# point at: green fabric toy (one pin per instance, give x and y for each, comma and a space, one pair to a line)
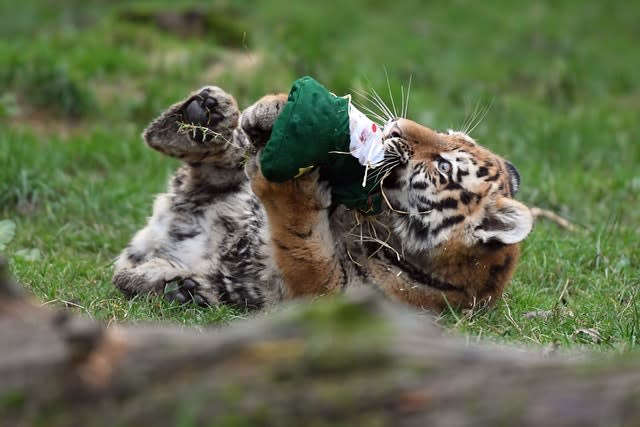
318, 128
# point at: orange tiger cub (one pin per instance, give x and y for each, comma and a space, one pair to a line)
448, 235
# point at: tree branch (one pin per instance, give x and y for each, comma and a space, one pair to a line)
353, 360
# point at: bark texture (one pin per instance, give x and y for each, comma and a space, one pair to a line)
348, 361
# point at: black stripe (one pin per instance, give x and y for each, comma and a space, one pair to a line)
448, 222
399, 206
426, 204
301, 234
482, 171
497, 270
416, 172
448, 203
466, 196
135, 257
178, 180
239, 295
180, 235
452, 185
393, 182
418, 228
460, 174
214, 190
419, 185
419, 276
280, 245
344, 276
492, 244
195, 200
423, 199
227, 223
494, 177
421, 232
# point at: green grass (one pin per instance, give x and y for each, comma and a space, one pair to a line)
79, 81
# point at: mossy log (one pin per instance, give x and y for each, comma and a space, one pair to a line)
348, 361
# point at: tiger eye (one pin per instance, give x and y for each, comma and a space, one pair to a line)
444, 166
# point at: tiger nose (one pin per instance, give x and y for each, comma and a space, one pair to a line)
391, 130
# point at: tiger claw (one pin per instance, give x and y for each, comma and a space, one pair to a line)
184, 291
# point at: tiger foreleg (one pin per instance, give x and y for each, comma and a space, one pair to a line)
303, 245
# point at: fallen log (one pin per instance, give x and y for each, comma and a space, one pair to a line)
352, 360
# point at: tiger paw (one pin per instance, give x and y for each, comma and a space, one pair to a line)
208, 114
302, 194
184, 291
194, 129
257, 120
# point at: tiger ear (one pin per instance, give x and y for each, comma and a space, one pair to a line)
507, 221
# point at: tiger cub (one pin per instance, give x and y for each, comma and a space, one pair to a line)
448, 234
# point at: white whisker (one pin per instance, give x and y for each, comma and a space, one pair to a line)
382, 113
393, 104
382, 171
482, 115
376, 115
382, 104
402, 101
379, 167
476, 117
372, 100
470, 118
405, 111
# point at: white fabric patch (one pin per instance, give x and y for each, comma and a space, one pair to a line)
365, 139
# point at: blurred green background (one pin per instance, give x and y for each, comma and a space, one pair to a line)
79, 80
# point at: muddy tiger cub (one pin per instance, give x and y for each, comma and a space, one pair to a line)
448, 232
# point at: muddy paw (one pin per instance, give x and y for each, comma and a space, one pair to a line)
186, 291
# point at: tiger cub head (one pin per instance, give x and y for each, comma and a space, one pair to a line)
446, 188
451, 206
